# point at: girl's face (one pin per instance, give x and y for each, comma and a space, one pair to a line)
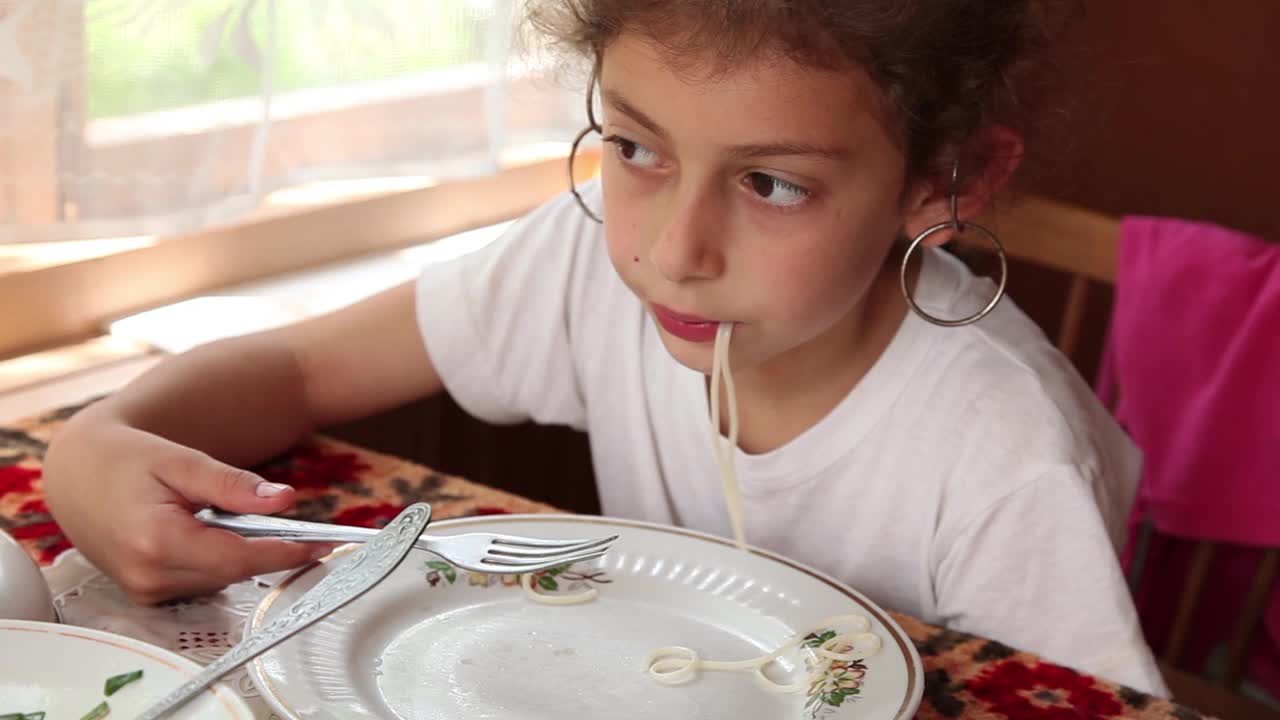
768, 197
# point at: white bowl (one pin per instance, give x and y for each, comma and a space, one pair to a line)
24, 594
61, 670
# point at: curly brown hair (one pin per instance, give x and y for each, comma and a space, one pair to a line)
947, 68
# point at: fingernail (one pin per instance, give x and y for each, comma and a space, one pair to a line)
321, 551
270, 489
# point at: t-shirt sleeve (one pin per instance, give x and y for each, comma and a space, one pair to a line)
1038, 572
497, 322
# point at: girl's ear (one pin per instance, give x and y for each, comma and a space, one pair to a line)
930, 202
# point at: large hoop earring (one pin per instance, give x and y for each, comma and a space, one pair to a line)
954, 224
592, 126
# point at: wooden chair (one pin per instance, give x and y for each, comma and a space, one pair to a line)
1084, 245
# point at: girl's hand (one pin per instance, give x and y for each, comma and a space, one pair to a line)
125, 498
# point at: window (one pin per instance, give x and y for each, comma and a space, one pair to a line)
128, 118
152, 149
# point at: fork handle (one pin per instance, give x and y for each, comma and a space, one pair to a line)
267, 526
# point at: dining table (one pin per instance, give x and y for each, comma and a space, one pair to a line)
966, 676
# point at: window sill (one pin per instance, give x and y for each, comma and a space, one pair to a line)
39, 382
60, 302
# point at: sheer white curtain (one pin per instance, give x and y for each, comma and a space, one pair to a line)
152, 117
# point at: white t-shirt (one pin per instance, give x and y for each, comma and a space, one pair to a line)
970, 479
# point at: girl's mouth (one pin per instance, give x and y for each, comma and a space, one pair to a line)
686, 327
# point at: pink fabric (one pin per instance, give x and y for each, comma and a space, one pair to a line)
1195, 350
1194, 354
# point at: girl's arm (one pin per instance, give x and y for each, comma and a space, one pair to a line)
124, 475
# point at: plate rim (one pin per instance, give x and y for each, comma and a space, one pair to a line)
915, 667
232, 701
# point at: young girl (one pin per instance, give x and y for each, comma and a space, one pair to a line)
767, 164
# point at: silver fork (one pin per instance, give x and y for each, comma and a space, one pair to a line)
477, 552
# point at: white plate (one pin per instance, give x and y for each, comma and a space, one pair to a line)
422, 645
60, 669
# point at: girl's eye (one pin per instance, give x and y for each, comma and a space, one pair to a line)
777, 191
633, 152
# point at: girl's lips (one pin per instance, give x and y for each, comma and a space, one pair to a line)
686, 327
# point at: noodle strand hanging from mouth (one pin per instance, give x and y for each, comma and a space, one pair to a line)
720, 371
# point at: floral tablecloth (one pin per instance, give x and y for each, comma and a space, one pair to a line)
965, 676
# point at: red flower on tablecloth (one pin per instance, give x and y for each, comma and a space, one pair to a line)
490, 510
309, 466
1017, 690
17, 479
375, 515
38, 532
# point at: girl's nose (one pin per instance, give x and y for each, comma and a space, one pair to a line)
688, 246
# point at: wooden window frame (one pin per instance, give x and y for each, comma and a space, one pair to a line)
71, 302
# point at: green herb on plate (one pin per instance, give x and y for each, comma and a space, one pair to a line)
116, 682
